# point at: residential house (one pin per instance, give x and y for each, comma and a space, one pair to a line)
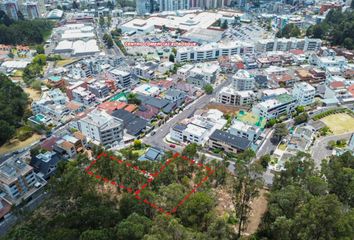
227, 142
152, 154
45, 164
133, 124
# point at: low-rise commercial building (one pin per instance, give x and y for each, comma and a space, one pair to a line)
213, 51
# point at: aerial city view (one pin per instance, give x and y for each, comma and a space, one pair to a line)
176, 119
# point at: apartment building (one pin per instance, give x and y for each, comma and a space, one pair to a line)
145, 70
287, 44
304, 93
275, 107
245, 130
213, 51
203, 74
51, 104
199, 128
99, 89
17, 179
102, 128
122, 78
230, 96
83, 96
243, 80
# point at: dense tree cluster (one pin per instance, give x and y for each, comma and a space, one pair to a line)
13, 102
337, 28
82, 207
34, 69
23, 32
309, 204
290, 30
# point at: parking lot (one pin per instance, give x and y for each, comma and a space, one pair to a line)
247, 32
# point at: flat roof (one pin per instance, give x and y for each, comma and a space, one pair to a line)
230, 139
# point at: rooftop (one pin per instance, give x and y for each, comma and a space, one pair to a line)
232, 140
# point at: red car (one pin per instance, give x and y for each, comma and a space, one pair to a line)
172, 146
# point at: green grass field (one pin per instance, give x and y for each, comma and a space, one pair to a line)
339, 123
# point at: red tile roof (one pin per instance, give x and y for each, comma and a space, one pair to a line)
297, 51
112, 106
48, 144
351, 89
337, 84
130, 108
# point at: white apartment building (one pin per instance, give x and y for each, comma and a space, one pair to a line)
199, 128
203, 73
328, 61
275, 107
228, 95
304, 93
122, 78
245, 130
102, 128
243, 80
286, 44
144, 71
51, 104
183, 71
212, 51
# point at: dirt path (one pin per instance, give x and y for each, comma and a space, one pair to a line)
259, 207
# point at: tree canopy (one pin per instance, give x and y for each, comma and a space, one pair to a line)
308, 204
13, 103
26, 32
337, 28
290, 30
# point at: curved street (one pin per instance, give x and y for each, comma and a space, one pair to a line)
320, 150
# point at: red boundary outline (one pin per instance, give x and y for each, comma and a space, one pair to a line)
151, 177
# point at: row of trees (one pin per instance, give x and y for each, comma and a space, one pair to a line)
13, 103
337, 28
305, 203
28, 32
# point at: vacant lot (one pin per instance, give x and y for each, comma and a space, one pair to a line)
339, 123
14, 145
223, 108
33, 94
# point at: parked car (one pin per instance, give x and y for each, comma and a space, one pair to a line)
172, 146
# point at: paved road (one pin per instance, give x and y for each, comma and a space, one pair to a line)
267, 147
162, 131
320, 150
